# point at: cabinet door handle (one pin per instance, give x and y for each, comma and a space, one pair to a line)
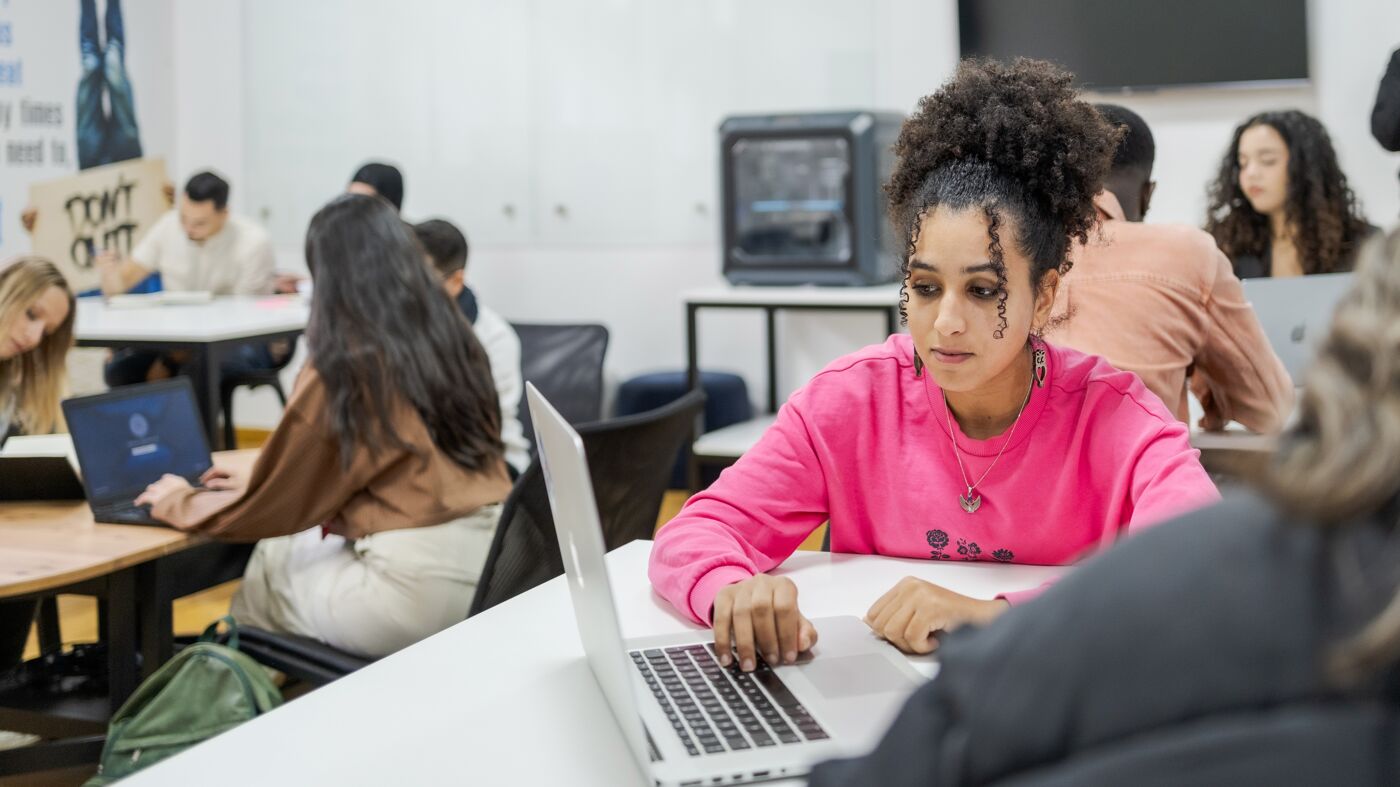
561, 210
509, 210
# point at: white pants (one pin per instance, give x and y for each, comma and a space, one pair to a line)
371, 596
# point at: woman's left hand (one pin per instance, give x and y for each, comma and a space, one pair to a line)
914, 610
160, 492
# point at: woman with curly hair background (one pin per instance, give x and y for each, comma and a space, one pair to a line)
969, 438
1281, 205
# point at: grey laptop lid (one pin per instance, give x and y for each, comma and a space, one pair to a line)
1295, 313
580, 533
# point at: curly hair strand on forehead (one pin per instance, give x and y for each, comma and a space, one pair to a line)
1014, 141
1320, 207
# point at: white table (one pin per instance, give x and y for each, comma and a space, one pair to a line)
507, 697
207, 329
882, 299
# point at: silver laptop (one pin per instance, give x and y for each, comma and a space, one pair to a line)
1296, 313
687, 720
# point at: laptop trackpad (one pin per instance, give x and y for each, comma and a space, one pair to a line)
842, 677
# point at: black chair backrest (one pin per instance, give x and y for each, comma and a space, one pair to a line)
629, 460
566, 363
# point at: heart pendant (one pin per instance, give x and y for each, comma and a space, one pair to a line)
970, 504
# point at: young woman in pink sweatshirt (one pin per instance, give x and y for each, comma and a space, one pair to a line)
969, 438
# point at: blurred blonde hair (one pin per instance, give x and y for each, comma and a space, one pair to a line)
1341, 462
34, 382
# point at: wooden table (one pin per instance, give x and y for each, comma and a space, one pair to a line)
136, 572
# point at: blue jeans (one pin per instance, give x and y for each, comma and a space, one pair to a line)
104, 138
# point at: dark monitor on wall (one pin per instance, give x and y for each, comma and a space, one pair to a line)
802, 199
1144, 44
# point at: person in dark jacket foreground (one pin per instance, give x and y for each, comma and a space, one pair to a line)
1255, 642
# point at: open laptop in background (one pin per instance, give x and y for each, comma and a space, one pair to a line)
687, 720
129, 437
1296, 313
39, 467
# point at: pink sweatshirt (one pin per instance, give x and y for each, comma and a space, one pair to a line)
865, 446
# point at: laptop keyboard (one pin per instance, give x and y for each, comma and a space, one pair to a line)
124, 514
715, 710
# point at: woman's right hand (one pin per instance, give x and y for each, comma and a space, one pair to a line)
220, 479
760, 615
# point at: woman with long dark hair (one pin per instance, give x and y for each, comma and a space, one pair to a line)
1255, 642
1280, 205
390, 444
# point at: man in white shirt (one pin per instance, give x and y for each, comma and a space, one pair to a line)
446, 248
199, 246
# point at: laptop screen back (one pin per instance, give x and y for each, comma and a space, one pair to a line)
129, 437
1295, 313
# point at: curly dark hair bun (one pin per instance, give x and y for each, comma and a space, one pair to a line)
1006, 138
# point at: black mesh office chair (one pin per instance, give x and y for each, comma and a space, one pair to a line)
252, 378
566, 363
630, 462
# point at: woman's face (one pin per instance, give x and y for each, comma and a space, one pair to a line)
954, 302
41, 318
1263, 160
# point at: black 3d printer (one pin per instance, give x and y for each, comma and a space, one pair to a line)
802, 199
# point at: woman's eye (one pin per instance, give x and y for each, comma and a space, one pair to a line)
29, 314
926, 290
984, 293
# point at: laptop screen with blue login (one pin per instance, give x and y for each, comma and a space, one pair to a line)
128, 438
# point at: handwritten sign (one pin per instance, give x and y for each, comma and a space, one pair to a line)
109, 207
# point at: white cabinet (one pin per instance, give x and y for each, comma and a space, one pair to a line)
439, 87
556, 122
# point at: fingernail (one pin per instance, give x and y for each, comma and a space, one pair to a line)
748, 665
724, 660
790, 656
770, 658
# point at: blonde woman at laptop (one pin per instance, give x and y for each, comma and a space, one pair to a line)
378, 493
36, 331
970, 438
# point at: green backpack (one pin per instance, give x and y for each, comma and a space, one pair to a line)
206, 689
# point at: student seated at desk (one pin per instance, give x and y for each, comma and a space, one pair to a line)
1161, 299
446, 248
200, 246
36, 332
1256, 642
970, 438
1280, 205
378, 493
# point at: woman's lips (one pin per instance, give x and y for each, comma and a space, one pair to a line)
950, 356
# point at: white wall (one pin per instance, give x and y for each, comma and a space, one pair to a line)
635, 289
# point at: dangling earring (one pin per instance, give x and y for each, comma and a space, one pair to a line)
1039, 360
918, 365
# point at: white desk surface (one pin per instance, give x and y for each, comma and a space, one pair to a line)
221, 319
507, 696
809, 296
733, 441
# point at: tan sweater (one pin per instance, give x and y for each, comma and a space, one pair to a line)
299, 482
1161, 301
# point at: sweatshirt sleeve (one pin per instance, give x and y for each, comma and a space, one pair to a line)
1166, 480
297, 482
747, 522
1238, 376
